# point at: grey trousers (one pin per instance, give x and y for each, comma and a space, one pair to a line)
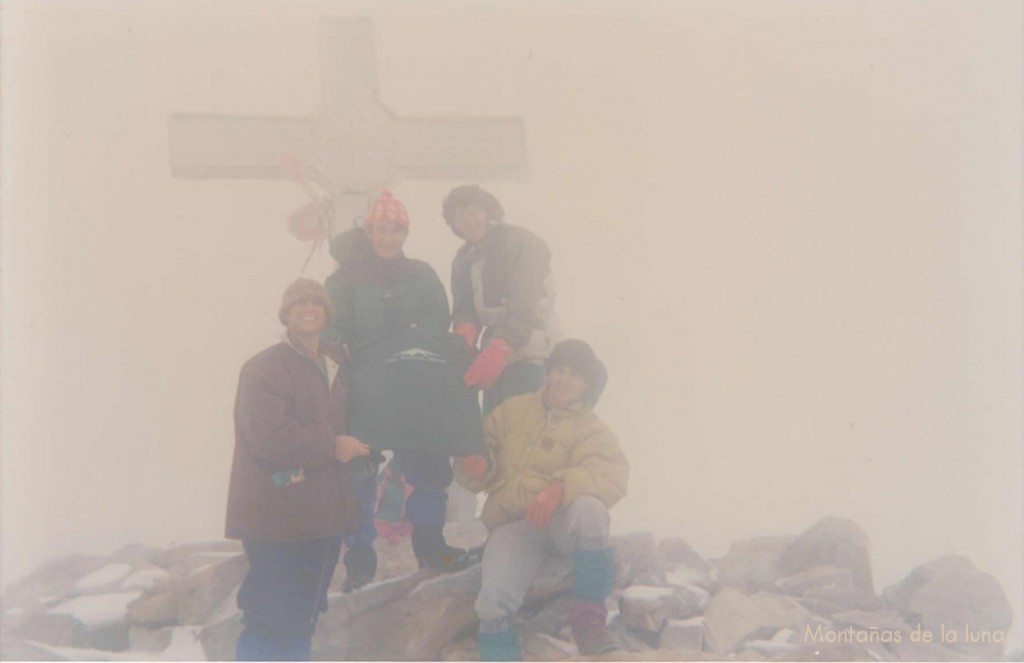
516, 550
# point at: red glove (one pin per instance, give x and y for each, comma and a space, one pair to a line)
475, 466
468, 331
489, 364
544, 504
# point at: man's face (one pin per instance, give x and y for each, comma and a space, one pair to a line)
564, 386
387, 239
470, 223
307, 317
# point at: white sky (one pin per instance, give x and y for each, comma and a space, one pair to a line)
793, 229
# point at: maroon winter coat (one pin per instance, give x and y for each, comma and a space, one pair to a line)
286, 419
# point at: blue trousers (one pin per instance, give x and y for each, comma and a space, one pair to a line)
366, 498
282, 596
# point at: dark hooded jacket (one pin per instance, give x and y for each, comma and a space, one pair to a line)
374, 298
503, 283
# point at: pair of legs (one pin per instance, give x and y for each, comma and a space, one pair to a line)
513, 556
426, 508
282, 597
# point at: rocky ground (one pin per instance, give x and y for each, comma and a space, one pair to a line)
796, 598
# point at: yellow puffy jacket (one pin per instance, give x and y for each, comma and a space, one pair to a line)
529, 446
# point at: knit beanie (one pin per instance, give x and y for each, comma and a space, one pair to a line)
388, 209
302, 290
579, 356
471, 194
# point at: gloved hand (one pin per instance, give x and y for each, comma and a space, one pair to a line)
544, 504
468, 331
489, 364
475, 466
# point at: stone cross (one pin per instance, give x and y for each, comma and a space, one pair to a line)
353, 146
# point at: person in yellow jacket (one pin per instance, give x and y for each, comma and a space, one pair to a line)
551, 473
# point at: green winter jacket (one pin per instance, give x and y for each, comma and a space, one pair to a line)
374, 298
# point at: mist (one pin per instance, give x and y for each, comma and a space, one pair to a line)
792, 230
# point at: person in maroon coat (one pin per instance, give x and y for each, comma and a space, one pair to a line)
290, 499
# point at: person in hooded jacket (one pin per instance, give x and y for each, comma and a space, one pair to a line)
502, 296
551, 473
377, 291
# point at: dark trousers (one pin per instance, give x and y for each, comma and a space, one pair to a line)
283, 595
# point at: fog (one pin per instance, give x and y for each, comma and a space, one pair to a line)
791, 229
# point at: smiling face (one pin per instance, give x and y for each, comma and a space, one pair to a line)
470, 223
306, 318
387, 239
564, 386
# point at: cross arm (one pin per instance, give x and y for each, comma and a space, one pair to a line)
232, 146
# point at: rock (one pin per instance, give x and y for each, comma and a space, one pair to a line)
50, 629
907, 650
828, 600
821, 576
780, 646
646, 608
414, 624
632, 640
751, 565
14, 649
690, 578
636, 559
683, 634
144, 639
950, 594
835, 542
676, 552
191, 599
155, 610
185, 559
544, 647
463, 649
51, 582
549, 616
733, 617
880, 620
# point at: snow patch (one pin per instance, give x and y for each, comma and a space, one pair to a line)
684, 577
108, 574
97, 609
566, 648
144, 579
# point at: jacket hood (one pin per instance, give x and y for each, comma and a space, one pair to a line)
350, 246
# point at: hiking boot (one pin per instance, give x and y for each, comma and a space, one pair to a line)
587, 619
594, 640
360, 567
432, 552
